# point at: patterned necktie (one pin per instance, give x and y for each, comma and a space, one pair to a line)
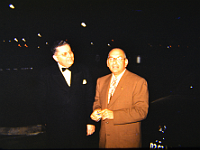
113, 86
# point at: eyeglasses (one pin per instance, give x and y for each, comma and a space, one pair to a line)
111, 59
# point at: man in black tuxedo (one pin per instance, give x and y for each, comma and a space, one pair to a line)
66, 97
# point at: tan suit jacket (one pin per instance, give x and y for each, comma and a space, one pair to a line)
129, 104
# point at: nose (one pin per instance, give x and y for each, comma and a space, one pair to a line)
115, 61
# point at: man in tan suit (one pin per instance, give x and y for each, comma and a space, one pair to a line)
121, 105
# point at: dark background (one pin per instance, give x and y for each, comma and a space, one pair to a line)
164, 33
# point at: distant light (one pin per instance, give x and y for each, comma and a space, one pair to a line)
23, 39
112, 40
167, 46
138, 59
38, 47
178, 18
4, 41
39, 35
25, 45
108, 44
47, 43
15, 39
9, 41
19, 45
191, 87
92, 43
83, 24
12, 6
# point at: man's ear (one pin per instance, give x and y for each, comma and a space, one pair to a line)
55, 58
107, 62
126, 62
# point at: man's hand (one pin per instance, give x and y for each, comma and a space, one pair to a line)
90, 129
107, 114
96, 116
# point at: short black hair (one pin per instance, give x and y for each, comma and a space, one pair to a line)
57, 44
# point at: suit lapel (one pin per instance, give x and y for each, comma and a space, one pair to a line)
59, 78
119, 89
105, 90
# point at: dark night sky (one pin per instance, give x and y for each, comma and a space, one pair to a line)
139, 27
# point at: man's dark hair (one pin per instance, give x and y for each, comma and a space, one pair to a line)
57, 44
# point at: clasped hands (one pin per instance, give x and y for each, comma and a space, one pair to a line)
101, 114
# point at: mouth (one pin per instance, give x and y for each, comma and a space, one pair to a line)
115, 67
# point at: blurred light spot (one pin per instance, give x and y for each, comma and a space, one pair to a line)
39, 35
191, 87
112, 40
178, 18
15, 39
19, 45
97, 58
167, 46
15, 69
12, 6
23, 39
38, 47
9, 41
83, 24
108, 44
47, 43
4, 41
138, 10
25, 45
138, 59
92, 43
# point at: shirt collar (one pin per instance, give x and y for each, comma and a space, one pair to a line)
60, 67
119, 76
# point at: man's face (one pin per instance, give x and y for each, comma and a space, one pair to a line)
64, 55
117, 61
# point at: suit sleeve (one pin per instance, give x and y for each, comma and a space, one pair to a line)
41, 93
97, 104
140, 104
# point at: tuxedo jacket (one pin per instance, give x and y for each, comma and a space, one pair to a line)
66, 110
129, 105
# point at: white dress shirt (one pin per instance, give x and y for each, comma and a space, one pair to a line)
66, 74
117, 81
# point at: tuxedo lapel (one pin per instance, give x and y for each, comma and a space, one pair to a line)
119, 89
58, 78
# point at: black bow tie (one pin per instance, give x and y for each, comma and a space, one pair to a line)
63, 69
